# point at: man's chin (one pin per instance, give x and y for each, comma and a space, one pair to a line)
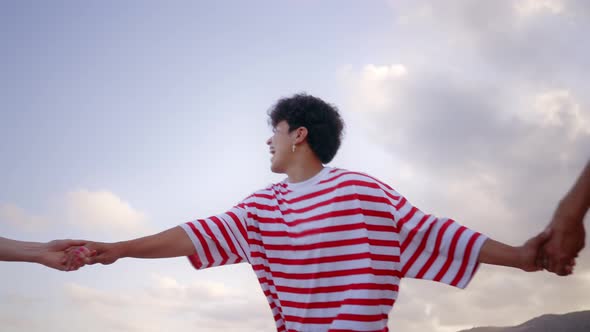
276, 169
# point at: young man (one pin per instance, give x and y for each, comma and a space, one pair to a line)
329, 246
50, 254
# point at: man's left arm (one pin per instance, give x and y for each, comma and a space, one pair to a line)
523, 257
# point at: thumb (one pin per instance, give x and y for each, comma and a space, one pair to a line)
539, 239
548, 231
543, 236
89, 259
94, 258
74, 243
103, 258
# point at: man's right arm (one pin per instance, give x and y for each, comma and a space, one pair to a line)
173, 242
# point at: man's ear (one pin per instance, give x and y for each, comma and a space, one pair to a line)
300, 135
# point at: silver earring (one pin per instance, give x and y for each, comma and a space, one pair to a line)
293, 148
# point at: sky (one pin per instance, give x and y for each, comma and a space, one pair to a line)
122, 119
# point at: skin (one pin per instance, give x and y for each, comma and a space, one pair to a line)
300, 165
50, 254
567, 227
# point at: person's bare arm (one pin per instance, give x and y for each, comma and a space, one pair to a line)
173, 242
523, 257
19, 251
567, 227
49, 254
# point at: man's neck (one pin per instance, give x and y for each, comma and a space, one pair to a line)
300, 173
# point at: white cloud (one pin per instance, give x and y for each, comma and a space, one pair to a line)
559, 108
373, 85
96, 213
20, 218
168, 304
381, 73
102, 211
532, 7
489, 123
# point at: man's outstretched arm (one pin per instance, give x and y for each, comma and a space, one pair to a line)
523, 257
173, 242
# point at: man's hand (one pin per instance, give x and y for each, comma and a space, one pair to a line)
93, 253
523, 257
567, 240
529, 252
51, 254
173, 242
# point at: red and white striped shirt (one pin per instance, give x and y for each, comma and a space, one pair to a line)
329, 252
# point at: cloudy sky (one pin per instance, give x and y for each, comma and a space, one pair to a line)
120, 120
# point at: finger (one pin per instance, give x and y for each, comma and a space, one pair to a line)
562, 267
561, 271
71, 258
539, 262
80, 257
64, 244
568, 267
68, 260
540, 259
72, 243
96, 259
543, 236
77, 263
548, 231
77, 266
82, 251
70, 249
551, 265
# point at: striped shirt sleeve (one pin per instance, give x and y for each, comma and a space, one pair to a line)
437, 249
431, 248
219, 240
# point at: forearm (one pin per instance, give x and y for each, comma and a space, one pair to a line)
497, 253
19, 251
170, 243
577, 201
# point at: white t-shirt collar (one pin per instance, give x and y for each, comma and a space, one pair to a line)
313, 180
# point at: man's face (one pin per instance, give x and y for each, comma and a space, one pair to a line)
280, 144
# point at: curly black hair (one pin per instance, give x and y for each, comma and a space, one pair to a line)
322, 121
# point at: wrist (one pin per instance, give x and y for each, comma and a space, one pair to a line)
569, 211
523, 260
575, 205
120, 250
33, 252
